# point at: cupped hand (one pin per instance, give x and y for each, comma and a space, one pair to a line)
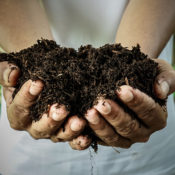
114, 127
18, 109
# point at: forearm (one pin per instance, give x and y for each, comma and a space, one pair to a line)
149, 23
22, 23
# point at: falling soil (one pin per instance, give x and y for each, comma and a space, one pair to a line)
77, 78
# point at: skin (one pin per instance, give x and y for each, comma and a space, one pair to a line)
110, 123
32, 24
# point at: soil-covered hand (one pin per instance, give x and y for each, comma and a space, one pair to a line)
18, 109
115, 127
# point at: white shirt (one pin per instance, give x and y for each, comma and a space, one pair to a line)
75, 23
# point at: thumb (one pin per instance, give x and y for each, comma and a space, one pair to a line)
165, 81
8, 74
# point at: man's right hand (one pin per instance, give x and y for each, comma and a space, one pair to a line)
18, 109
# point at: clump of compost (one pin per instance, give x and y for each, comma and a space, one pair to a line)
77, 78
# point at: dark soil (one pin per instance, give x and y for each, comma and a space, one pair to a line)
77, 78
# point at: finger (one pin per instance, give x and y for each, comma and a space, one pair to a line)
18, 110
48, 123
72, 129
8, 74
165, 81
104, 131
122, 122
27, 94
151, 113
81, 142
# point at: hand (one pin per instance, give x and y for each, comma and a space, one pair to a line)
18, 109
114, 127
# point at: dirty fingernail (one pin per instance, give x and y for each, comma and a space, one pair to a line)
58, 113
85, 141
7, 73
164, 88
125, 94
92, 117
103, 107
35, 88
55, 116
75, 125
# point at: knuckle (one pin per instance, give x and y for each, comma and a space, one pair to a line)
148, 110
20, 110
129, 129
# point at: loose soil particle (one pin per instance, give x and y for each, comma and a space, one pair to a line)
77, 78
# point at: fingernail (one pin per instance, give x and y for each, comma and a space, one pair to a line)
35, 88
7, 73
125, 94
58, 113
92, 117
55, 116
84, 142
75, 125
164, 88
103, 107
